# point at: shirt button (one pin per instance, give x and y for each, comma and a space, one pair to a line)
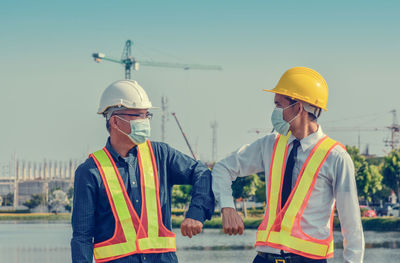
137, 201
133, 183
144, 258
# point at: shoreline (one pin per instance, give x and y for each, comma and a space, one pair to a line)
369, 224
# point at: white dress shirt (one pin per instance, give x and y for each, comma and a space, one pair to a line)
335, 181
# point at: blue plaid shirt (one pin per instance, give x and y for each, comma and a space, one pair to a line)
92, 217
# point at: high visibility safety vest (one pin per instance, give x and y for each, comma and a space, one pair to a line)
132, 234
281, 228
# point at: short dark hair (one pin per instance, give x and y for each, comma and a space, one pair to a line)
108, 125
311, 116
291, 101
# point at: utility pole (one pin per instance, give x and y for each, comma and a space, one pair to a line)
71, 173
367, 150
46, 182
214, 126
15, 181
164, 106
394, 130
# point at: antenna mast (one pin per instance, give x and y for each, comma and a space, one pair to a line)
164, 106
214, 126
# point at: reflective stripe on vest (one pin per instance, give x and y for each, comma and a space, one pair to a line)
281, 228
133, 235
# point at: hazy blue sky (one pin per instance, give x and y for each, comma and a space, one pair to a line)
50, 86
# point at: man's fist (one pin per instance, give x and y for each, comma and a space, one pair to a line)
191, 227
231, 221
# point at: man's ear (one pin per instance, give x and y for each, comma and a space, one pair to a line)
113, 122
301, 107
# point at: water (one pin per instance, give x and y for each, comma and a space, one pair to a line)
33, 242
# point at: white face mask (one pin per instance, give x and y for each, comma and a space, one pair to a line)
140, 130
279, 124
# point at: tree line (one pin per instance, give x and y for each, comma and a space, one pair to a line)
376, 178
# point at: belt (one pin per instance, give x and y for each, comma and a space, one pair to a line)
286, 258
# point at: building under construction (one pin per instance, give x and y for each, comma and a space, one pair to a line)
27, 178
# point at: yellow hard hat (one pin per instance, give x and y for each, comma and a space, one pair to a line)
303, 84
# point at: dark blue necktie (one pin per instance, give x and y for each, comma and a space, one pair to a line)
287, 180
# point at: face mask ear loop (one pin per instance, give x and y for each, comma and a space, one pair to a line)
119, 128
291, 105
297, 115
121, 118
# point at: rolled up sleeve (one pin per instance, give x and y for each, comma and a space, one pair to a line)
242, 162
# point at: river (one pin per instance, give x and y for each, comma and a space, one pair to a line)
45, 243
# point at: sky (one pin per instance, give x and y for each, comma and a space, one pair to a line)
50, 86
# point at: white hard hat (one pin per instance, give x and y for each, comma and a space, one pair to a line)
124, 93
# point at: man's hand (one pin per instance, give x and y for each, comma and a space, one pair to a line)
231, 221
191, 227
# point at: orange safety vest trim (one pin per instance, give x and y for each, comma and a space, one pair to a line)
281, 228
133, 235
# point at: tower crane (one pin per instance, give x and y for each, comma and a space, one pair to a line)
131, 62
393, 142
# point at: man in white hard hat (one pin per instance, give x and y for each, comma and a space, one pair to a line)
122, 193
306, 173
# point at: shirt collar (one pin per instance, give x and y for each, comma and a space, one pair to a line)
310, 140
116, 155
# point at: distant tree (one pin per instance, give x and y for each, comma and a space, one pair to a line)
368, 177
68, 207
391, 171
375, 160
36, 199
382, 195
260, 194
8, 199
57, 200
55, 188
70, 193
244, 187
181, 195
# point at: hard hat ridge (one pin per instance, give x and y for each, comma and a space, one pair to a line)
124, 93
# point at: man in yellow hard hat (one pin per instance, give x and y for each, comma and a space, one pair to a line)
306, 174
122, 193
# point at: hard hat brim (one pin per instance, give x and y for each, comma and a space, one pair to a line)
105, 109
277, 92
